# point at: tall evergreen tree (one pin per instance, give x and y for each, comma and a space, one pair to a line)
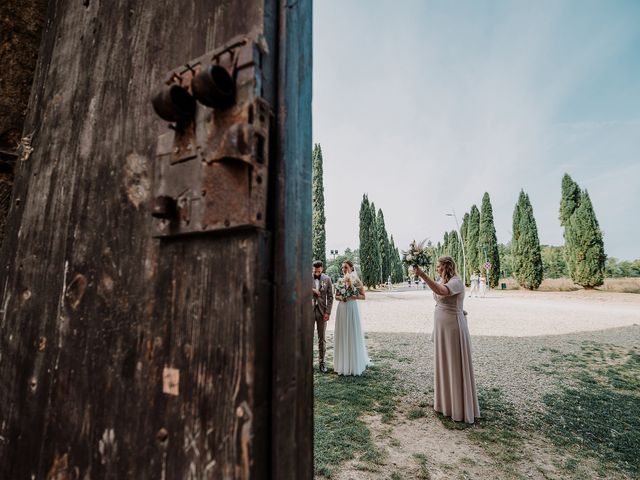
383, 245
585, 242
455, 250
488, 242
525, 245
392, 259
569, 201
463, 240
374, 239
318, 232
433, 253
397, 273
445, 244
515, 229
438, 251
473, 232
367, 252
400, 267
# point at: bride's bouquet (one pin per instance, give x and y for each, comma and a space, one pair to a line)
417, 254
348, 286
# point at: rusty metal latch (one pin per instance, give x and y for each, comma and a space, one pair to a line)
211, 166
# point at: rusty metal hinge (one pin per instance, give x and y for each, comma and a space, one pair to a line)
211, 166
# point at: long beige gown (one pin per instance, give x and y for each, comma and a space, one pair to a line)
454, 383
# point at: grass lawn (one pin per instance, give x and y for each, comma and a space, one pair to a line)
590, 421
340, 403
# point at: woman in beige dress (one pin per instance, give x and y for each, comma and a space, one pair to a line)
454, 392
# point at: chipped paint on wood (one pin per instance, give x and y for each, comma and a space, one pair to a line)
137, 179
171, 381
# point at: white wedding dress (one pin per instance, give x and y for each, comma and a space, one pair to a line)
349, 353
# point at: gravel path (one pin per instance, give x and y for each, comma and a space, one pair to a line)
504, 313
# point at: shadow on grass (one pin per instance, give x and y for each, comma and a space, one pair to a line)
598, 414
498, 431
340, 403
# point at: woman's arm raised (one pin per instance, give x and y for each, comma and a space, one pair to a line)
437, 288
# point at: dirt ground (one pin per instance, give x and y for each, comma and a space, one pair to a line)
509, 331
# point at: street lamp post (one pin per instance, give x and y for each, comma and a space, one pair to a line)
464, 257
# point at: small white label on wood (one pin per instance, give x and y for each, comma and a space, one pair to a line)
170, 381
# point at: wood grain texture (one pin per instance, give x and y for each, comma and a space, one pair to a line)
94, 310
20, 27
293, 335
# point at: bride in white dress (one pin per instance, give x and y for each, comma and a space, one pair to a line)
349, 354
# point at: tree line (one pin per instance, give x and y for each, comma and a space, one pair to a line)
378, 257
582, 257
477, 237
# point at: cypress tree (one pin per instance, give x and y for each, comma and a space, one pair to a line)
569, 201
455, 250
376, 266
438, 252
525, 245
473, 232
397, 274
585, 242
400, 267
515, 228
445, 244
383, 245
318, 232
487, 241
463, 240
392, 259
434, 259
366, 253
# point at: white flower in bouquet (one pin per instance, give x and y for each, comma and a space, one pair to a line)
348, 286
417, 255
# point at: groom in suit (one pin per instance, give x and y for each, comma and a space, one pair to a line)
322, 303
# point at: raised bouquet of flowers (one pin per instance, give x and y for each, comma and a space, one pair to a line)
417, 254
348, 286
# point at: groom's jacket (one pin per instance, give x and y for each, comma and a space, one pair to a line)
325, 301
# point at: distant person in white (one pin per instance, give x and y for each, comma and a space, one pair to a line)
483, 285
474, 284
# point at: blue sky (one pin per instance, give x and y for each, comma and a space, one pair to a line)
425, 105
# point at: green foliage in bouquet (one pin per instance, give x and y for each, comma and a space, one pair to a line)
417, 254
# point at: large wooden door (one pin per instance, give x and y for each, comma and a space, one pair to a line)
125, 355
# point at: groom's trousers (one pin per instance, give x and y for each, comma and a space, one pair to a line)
321, 326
